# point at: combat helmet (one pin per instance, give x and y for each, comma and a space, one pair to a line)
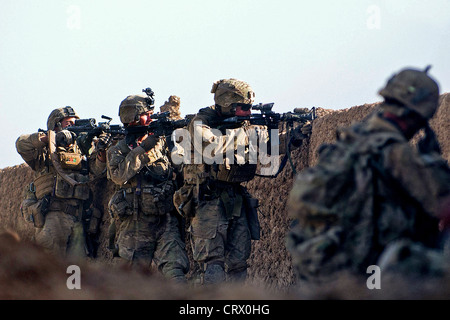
134, 105
415, 90
229, 91
59, 114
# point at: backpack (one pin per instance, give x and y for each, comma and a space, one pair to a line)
334, 205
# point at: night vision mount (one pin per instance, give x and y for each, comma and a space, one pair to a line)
150, 94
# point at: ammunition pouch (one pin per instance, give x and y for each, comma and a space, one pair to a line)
28, 201
65, 190
32, 209
38, 212
152, 200
72, 207
25, 209
70, 160
118, 205
158, 199
44, 184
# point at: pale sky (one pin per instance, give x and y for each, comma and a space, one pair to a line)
91, 54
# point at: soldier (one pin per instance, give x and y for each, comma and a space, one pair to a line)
222, 218
58, 201
142, 207
173, 106
385, 197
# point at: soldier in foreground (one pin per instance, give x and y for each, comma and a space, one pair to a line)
373, 198
142, 207
221, 215
58, 202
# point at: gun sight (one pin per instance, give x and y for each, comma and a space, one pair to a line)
263, 107
161, 115
90, 122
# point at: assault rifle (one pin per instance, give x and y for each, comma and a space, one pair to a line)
270, 118
93, 129
161, 126
87, 129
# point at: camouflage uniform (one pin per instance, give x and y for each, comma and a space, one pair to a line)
221, 213
59, 228
147, 228
396, 224
172, 105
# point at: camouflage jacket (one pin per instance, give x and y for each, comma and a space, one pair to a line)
407, 196
125, 164
209, 154
400, 198
36, 154
145, 181
411, 187
423, 177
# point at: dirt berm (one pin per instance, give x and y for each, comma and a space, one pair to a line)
28, 273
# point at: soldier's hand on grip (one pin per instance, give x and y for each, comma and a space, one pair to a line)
149, 142
104, 141
65, 138
306, 129
301, 132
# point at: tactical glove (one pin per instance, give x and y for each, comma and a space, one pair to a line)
299, 133
302, 131
306, 129
149, 142
103, 142
84, 141
65, 138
